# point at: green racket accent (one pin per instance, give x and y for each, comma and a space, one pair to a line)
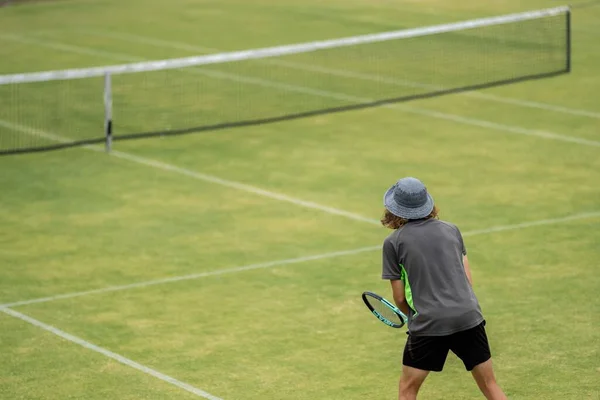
390, 305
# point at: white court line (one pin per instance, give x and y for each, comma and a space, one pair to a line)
504, 128
224, 271
110, 354
344, 97
242, 186
196, 175
345, 73
494, 229
290, 261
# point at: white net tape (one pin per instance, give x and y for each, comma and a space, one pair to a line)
275, 51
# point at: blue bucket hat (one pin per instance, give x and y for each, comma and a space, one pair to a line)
408, 199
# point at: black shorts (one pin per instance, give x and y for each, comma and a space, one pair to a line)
429, 352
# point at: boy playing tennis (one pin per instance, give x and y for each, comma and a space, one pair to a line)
426, 262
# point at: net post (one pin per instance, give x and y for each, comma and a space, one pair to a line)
568, 39
108, 111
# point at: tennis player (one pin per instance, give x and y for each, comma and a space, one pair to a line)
425, 260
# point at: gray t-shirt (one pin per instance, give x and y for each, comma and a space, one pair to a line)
427, 256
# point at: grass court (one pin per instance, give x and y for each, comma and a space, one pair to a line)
233, 261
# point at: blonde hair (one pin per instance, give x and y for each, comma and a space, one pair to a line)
392, 221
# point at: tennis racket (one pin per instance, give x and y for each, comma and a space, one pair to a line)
385, 311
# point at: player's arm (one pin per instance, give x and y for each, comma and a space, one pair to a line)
399, 297
392, 272
467, 269
465, 259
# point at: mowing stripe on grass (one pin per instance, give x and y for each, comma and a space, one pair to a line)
345, 73
110, 354
289, 261
66, 47
340, 96
196, 175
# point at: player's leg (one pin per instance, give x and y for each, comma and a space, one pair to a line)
484, 376
422, 354
473, 348
410, 382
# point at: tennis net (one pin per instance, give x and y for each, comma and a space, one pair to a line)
55, 109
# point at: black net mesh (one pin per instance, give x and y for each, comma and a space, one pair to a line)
217, 96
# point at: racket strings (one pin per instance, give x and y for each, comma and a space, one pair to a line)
385, 311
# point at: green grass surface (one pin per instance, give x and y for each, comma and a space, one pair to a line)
77, 220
